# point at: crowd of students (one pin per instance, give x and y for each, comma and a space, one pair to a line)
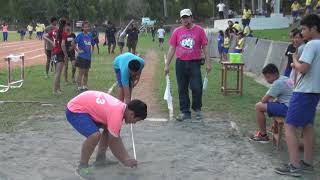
225, 38
294, 96
310, 6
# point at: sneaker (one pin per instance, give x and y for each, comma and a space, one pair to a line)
306, 167
57, 93
85, 173
199, 116
183, 117
258, 137
289, 170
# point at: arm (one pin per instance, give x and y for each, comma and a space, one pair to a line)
127, 94
136, 79
118, 150
170, 55
300, 67
46, 38
64, 49
206, 55
266, 99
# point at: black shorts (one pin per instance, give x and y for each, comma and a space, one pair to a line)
83, 63
121, 44
48, 53
132, 44
71, 55
111, 41
161, 40
56, 58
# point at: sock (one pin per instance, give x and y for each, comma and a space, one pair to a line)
83, 165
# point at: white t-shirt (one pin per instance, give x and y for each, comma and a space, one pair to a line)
221, 6
161, 32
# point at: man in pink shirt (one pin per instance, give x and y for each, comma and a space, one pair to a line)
92, 110
188, 42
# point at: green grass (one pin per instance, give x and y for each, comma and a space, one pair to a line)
37, 88
14, 36
273, 34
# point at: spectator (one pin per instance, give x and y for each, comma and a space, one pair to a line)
295, 7
246, 16
221, 7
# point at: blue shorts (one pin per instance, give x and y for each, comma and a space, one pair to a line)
83, 123
295, 13
220, 50
237, 51
302, 109
275, 109
225, 50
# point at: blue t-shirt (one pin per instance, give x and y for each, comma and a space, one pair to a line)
84, 42
121, 63
281, 89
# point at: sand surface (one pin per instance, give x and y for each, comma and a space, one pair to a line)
48, 148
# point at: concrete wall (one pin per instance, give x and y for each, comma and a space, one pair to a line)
257, 53
257, 23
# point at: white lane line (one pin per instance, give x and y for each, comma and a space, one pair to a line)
156, 119
24, 47
26, 52
15, 45
18, 42
35, 56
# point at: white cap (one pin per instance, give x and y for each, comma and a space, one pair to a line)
185, 12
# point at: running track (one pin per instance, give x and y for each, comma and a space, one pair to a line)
33, 52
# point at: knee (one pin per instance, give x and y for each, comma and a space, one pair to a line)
259, 106
96, 136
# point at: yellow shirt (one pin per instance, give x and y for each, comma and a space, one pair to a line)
237, 27
30, 28
226, 43
308, 2
38, 28
246, 31
240, 44
43, 27
295, 7
246, 14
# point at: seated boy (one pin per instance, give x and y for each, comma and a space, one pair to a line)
274, 103
92, 110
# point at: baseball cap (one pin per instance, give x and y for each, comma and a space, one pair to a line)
185, 12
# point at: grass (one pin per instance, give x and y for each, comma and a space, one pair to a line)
273, 34
37, 88
240, 109
14, 36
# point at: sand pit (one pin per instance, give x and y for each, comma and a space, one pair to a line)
48, 148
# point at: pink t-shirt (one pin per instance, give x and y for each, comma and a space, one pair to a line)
5, 28
188, 42
102, 107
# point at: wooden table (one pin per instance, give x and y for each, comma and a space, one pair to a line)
227, 66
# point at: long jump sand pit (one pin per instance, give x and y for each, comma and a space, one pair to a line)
47, 148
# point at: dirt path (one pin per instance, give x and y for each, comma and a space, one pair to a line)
145, 89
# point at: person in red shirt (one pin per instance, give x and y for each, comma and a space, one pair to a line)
59, 51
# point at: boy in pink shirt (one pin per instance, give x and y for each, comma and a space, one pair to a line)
92, 110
